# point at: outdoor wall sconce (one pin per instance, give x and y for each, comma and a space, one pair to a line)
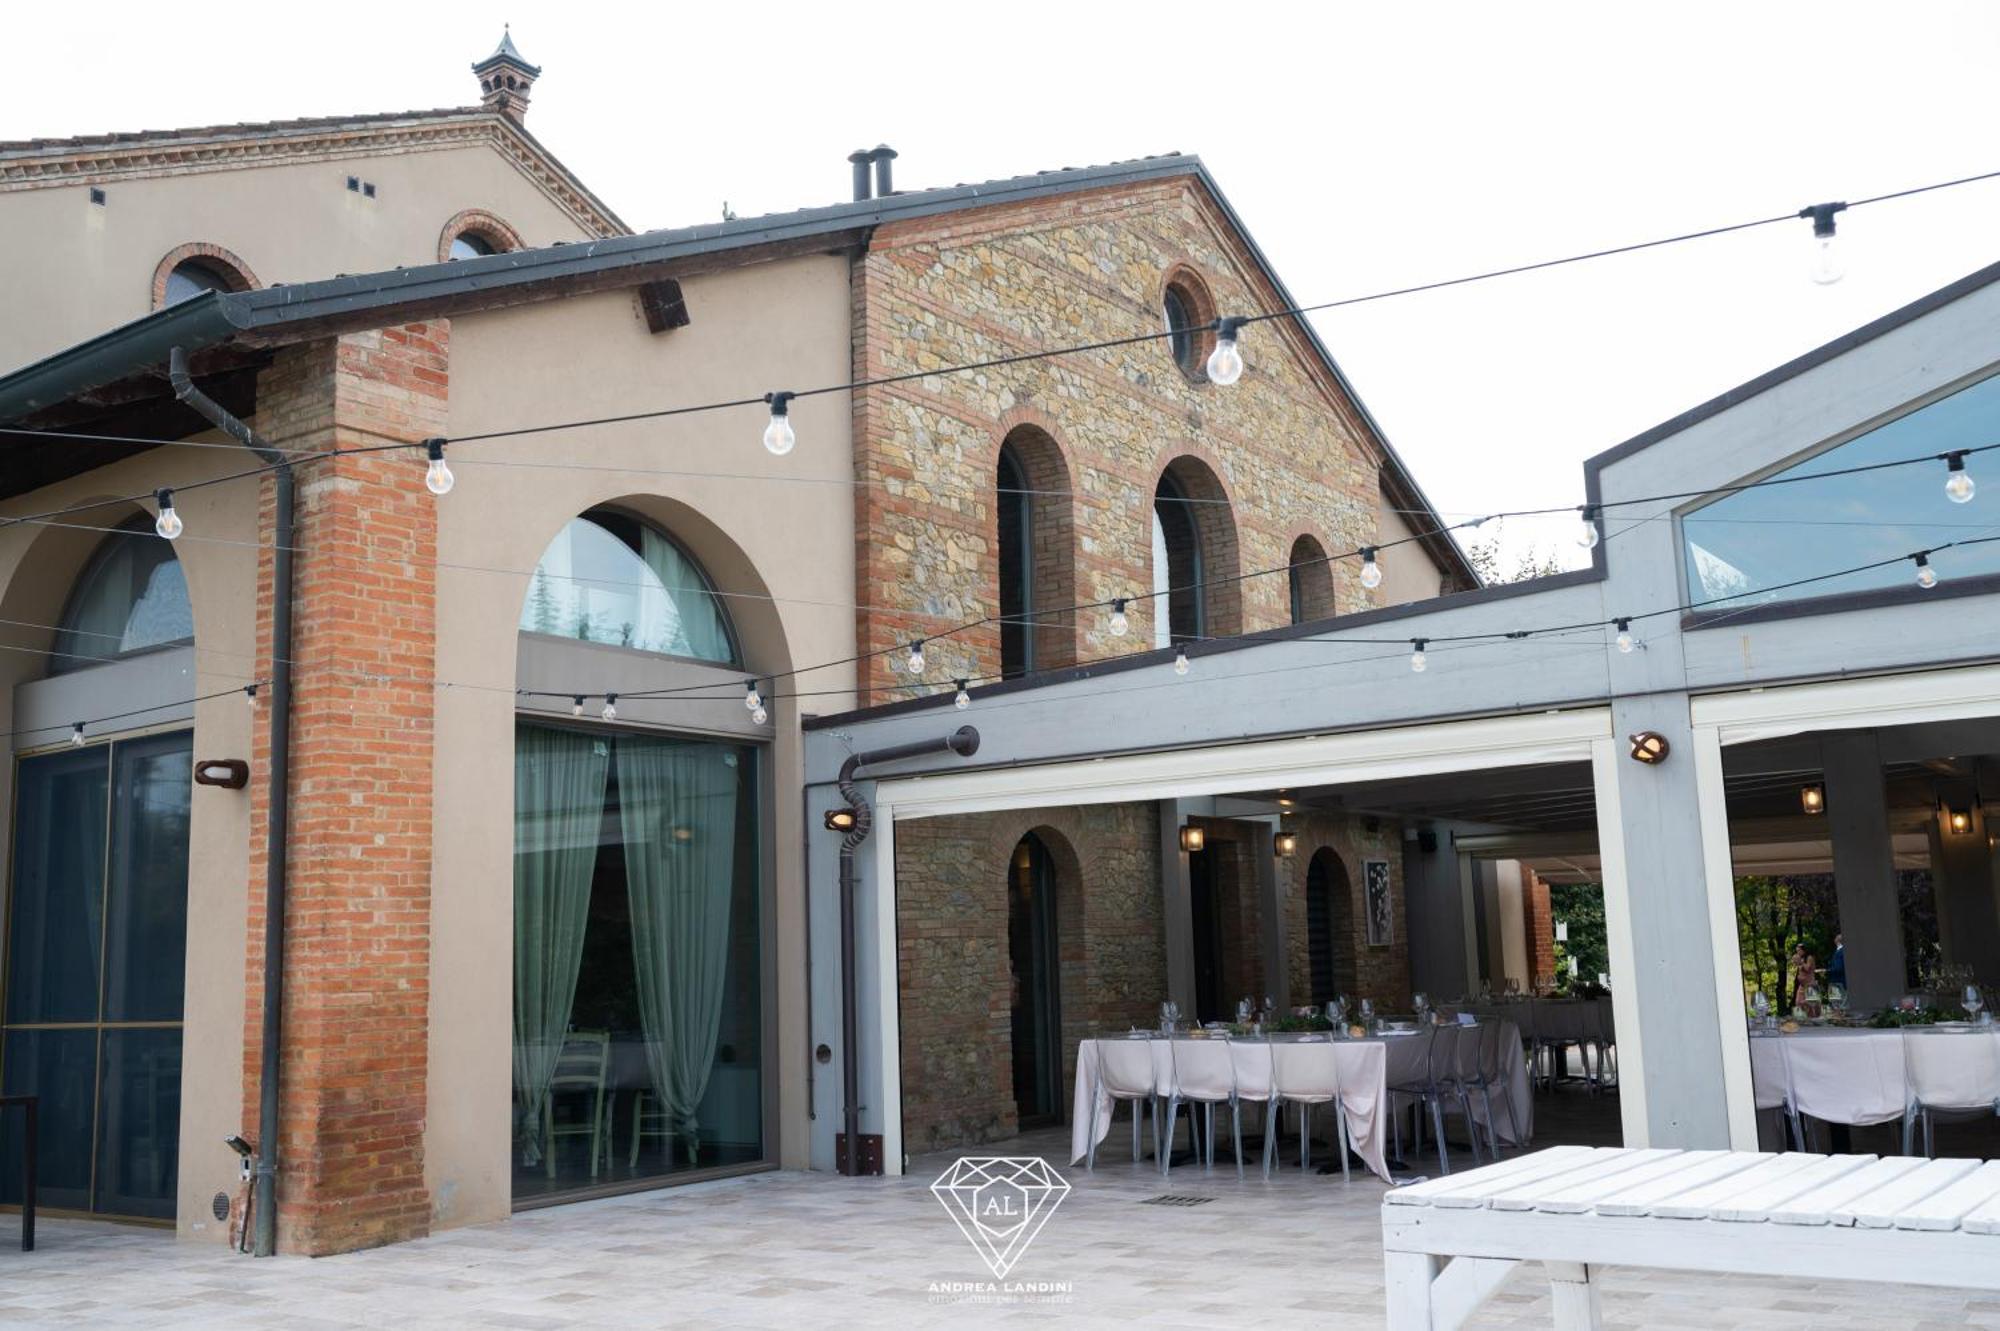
1286, 844
1193, 838
1649, 747
229, 773
1958, 822
839, 820
1812, 799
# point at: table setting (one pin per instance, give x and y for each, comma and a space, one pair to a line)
1370, 1051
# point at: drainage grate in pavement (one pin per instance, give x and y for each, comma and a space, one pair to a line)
1175, 1199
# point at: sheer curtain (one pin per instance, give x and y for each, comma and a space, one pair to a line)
559, 778
691, 622
677, 803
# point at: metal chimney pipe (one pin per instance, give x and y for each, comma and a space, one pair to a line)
860, 157
884, 185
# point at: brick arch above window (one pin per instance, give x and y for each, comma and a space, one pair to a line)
490, 227
1310, 580
1035, 544
1200, 585
223, 263
1183, 286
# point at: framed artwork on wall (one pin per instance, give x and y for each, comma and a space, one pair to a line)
1381, 909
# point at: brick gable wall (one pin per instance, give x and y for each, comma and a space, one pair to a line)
1283, 445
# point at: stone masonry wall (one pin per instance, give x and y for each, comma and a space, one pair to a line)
357, 919
1284, 446
1361, 971
953, 964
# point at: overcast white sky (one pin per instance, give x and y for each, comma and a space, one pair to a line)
1366, 146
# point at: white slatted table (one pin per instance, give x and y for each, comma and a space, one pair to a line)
1448, 1243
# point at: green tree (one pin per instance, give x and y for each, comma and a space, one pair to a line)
1580, 906
1776, 914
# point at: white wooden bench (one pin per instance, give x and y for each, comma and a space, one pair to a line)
1449, 1243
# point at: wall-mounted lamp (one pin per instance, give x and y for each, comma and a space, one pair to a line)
1286, 801
229, 773
1193, 838
1812, 799
839, 820
1286, 844
1649, 747
1958, 822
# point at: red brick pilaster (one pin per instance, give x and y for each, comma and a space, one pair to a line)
357, 946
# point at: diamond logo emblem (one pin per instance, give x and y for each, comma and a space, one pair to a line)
1000, 1203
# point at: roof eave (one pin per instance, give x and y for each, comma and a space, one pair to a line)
195, 324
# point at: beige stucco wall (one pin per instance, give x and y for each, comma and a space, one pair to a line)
84, 268
762, 525
1407, 572
38, 564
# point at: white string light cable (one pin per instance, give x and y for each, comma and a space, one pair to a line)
1958, 486
1225, 362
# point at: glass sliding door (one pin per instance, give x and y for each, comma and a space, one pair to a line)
96, 948
638, 1019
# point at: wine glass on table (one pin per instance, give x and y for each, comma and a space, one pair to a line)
1975, 1002
1423, 1006
1760, 1007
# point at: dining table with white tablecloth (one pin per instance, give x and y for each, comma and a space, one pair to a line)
1365, 1067
1846, 1074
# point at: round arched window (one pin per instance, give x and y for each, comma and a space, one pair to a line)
190, 277
470, 245
613, 579
131, 598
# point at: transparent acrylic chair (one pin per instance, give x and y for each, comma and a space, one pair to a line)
1306, 1073
1204, 1077
1250, 1064
1948, 1072
1125, 1072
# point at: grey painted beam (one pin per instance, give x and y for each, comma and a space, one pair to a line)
1864, 869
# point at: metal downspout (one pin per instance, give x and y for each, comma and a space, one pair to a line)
277, 827
964, 742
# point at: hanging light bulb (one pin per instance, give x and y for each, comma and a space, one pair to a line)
610, 712
759, 715
250, 696
576, 705
437, 476
1958, 485
1826, 268
76, 734
1926, 575
915, 663
1417, 660
1586, 535
1371, 572
168, 524
961, 700
1119, 625
752, 700
778, 435
1624, 635
1225, 363
1180, 659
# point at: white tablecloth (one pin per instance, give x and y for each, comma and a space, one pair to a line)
1843, 1075
1366, 1069
1359, 1064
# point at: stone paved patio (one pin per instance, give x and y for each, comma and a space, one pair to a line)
799, 1251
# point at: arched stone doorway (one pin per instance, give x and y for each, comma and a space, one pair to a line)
1329, 927
1035, 982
